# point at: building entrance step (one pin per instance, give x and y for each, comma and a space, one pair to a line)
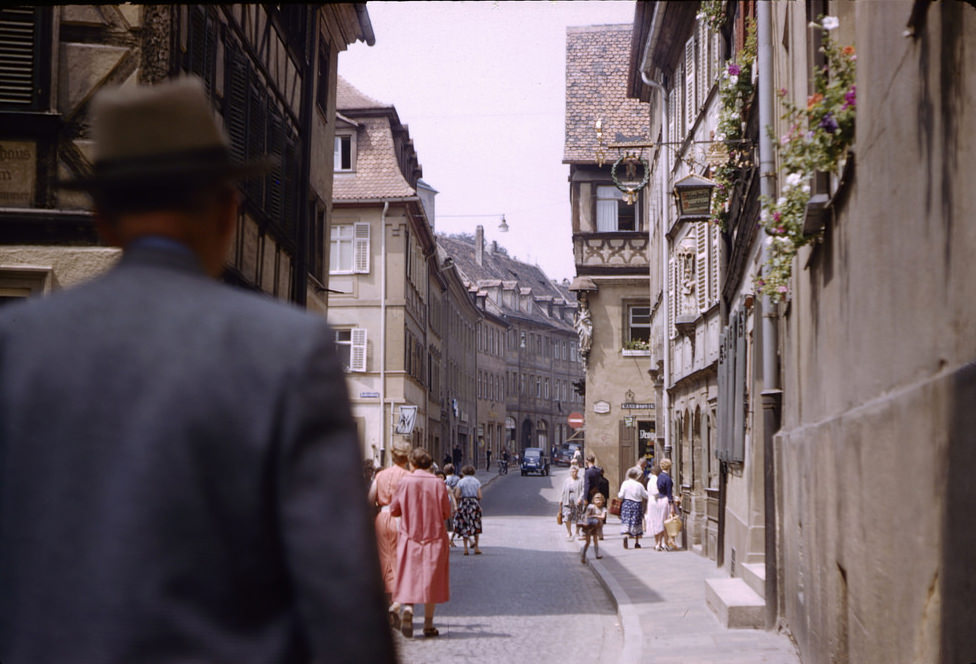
754, 574
735, 604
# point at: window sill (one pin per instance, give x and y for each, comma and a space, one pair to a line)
635, 353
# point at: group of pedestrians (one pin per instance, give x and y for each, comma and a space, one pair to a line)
647, 499
417, 507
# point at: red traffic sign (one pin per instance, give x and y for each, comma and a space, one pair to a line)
575, 420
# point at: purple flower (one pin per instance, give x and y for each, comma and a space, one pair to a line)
828, 123
734, 70
777, 216
850, 99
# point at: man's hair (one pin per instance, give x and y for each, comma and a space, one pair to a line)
591, 458
420, 458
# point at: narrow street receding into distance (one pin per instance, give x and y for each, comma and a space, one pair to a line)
527, 598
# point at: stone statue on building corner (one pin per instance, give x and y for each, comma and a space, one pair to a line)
584, 327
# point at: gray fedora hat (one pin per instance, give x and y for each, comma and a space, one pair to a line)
160, 134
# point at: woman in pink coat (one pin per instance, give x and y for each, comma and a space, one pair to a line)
422, 547
381, 493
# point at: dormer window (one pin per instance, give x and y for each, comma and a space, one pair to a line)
612, 212
343, 153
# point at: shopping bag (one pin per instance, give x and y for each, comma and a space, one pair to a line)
559, 517
673, 525
615, 504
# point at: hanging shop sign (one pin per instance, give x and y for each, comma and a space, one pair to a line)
635, 176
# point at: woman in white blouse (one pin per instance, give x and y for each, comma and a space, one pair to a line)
634, 496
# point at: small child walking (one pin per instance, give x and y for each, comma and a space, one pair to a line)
595, 515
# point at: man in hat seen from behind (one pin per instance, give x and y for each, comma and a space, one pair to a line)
179, 469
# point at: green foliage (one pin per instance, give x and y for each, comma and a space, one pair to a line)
637, 344
712, 12
817, 139
735, 93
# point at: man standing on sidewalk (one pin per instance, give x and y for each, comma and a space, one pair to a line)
180, 474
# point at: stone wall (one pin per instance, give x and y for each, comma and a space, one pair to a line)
875, 457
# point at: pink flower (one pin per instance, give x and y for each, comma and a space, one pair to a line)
781, 230
734, 70
782, 289
781, 92
777, 216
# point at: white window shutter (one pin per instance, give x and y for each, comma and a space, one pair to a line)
701, 265
337, 155
689, 84
672, 300
702, 60
671, 116
361, 247
357, 356
713, 291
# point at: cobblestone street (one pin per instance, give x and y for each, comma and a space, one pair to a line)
527, 598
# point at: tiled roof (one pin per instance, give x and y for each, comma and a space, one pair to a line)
348, 97
597, 63
377, 173
498, 269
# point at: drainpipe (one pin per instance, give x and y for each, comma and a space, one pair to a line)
305, 164
389, 446
772, 395
664, 169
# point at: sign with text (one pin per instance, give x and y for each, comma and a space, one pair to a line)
637, 406
18, 173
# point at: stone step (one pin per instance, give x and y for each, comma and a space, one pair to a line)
754, 574
735, 604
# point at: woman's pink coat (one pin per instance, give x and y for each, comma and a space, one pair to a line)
422, 546
387, 481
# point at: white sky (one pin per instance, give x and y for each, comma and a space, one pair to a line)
481, 86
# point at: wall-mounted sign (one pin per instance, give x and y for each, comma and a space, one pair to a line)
18, 173
637, 406
408, 417
575, 420
601, 407
369, 395
509, 422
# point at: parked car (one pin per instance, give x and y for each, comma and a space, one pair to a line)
534, 461
564, 455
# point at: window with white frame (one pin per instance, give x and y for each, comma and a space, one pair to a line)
351, 347
613, 213
342, 158
638, 326
349, 249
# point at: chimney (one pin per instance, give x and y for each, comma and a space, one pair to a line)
479, 244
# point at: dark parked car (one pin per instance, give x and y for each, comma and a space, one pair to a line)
564, 456
534, 461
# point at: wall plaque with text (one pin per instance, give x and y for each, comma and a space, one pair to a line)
18, 173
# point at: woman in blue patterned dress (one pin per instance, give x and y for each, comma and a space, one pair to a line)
634, 496
467, 520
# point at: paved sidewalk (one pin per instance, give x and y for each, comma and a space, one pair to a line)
660, 598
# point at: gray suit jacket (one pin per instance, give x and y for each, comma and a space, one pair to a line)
180, 479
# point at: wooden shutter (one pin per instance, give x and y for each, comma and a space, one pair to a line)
357, 354
701, 265
24, 67
721, 447
275, 180
256, 138
361, 247
291, 172
690, 105
738, 404
237, 75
